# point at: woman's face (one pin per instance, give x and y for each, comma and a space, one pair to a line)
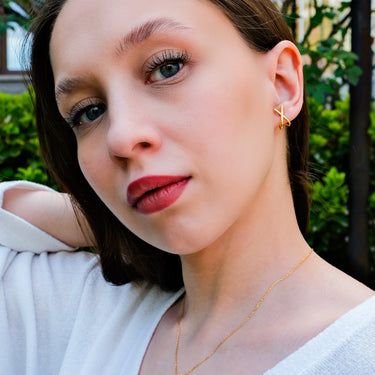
173, 115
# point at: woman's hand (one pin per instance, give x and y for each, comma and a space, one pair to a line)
50, 211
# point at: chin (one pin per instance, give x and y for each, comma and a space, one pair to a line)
180, 243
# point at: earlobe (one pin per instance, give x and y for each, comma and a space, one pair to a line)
286, 73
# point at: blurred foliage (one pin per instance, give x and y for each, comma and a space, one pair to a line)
19, 12
10, 14
329, 65
19, 147
329, 157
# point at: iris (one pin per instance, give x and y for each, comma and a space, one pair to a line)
170, 69
92, 114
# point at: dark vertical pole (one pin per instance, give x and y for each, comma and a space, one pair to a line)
2, 42
294, 23
359, 142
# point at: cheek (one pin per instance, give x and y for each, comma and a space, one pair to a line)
221, 102
94, 164
233, 141
226, 118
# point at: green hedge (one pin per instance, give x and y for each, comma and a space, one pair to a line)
19, 147
329, 156
329, 145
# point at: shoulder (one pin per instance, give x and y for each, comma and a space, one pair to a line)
344, 347
331, 305
331, 289
343, 290
18, 234
347, 346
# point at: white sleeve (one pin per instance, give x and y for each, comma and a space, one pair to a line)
42, 288
18, 234
41, 296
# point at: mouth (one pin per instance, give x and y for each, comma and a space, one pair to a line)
154, 193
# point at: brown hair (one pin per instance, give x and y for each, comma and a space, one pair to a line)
125, 257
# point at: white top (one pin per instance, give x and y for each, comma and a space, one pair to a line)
59, 316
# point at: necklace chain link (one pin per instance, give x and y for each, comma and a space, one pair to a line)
237, 328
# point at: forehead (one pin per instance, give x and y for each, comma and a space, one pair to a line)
95, 23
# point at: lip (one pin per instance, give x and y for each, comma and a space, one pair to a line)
151, 194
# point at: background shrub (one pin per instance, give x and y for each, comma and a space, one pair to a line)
329, 157
19, 147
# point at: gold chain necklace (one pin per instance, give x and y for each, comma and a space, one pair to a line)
236, 329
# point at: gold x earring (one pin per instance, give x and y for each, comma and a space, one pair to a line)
283, 118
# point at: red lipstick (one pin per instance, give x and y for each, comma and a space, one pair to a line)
154, 193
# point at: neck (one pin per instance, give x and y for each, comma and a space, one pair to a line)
234, 272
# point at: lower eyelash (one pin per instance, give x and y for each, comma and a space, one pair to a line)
166, 57
77, 111
74, 115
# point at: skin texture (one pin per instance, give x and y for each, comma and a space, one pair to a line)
234, 225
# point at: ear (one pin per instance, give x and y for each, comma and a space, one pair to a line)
286, 74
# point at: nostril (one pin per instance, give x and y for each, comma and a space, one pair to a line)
145, 144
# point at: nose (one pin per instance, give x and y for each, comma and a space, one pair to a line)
131, 134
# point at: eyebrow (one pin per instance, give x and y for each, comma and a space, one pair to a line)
68, 85
140, 33
134, 37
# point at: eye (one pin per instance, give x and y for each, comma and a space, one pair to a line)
166, 71
165, 65
85, 113
91, 114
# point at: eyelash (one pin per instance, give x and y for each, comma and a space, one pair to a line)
156, 62
164, 58
79, 110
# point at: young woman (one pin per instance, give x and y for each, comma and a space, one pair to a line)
179, 130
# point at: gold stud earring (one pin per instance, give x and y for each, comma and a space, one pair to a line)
282, 117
